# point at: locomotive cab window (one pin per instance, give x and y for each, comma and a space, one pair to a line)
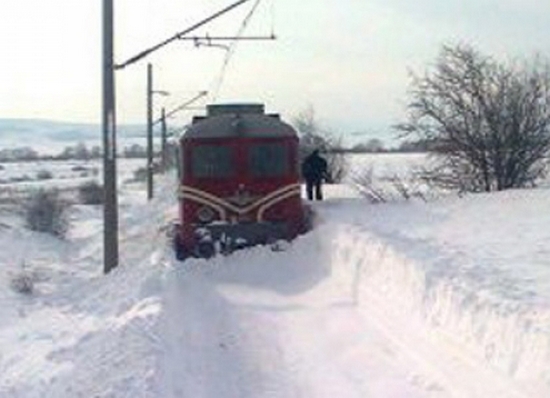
268, 160
212, 161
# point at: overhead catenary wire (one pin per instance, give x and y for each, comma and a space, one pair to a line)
178, 35
273, 17
181, 107
229, 54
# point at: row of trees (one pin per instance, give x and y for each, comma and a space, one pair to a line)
82, 152
78, 151
375, 145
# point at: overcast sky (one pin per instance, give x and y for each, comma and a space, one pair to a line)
349, 60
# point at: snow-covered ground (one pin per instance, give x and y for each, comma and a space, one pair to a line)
445, 298
16, 173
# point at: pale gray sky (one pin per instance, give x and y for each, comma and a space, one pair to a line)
347, 59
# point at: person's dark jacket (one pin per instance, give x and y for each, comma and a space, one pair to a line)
314, 168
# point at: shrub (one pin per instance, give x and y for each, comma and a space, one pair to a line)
44, 175
140, 174
364, 182
91, 193
23, 178
46, 212
389, 188
23, 283
313, 136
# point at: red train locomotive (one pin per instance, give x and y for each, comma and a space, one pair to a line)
239, 181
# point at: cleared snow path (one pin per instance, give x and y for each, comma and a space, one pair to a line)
304, 323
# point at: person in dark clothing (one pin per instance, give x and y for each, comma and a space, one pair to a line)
314, 171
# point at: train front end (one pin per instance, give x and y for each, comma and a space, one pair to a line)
239, 182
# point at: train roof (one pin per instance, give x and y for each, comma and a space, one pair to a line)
238, 120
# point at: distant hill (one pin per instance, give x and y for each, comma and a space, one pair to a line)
50, 136
60, 131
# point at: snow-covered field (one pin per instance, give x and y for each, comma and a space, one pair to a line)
444, 298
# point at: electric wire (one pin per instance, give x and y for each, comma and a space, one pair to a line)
230, 52
178, 35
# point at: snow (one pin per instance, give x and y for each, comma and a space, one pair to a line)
444, 298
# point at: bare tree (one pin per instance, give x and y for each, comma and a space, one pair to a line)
487, 123
313, 136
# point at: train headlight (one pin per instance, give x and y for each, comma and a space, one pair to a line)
205, 214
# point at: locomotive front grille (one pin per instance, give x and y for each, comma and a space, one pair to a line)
248, 233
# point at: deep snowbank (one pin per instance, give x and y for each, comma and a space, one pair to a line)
466, 300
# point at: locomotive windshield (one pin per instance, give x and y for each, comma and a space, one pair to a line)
212, 161
268, 160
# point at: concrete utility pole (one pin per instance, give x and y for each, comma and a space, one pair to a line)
110, 208
150, 124
149, 131
163, 138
